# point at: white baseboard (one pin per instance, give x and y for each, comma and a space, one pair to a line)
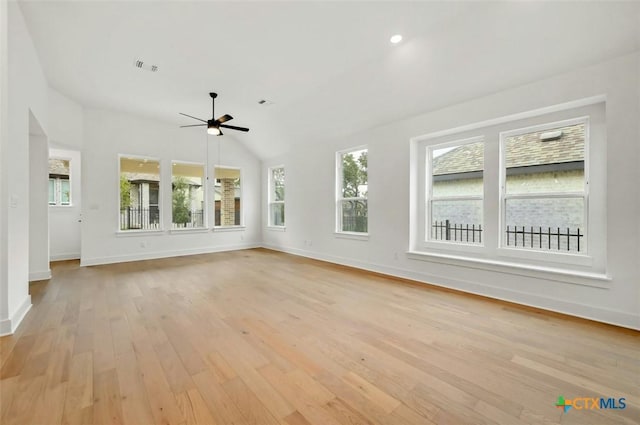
165, 254
65, 256
626, 320
41, 275
9, 326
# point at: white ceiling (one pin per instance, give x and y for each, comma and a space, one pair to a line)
328, 66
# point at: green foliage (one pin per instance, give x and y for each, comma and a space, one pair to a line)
180, 201
278, 184
125, 193
354, 175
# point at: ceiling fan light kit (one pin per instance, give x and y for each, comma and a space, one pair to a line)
214, 125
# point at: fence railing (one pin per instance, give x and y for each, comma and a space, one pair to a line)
139, 218
545, 239
517, 236
444, 230
196, 219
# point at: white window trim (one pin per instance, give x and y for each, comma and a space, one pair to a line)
234, 227
205, 215
590, 270
160, 229
338, 188
582, 259
57, 183
429, 198
270, 200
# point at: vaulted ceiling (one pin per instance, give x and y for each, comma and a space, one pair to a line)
328, 67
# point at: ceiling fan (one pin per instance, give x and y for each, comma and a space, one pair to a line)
214, 125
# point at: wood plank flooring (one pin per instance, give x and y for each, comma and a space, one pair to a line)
260, 337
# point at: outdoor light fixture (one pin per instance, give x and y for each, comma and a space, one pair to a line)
550, 135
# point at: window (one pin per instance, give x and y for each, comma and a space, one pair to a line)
455, 192
187, 195
139, 193
228, 193
544, 197
59, 186
531, 189
276, 196
352, 188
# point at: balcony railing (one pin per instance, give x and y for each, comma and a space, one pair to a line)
132, 218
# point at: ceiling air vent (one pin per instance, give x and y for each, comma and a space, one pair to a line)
139, 63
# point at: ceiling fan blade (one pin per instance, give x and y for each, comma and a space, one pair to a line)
193, 125
199, 119
232, 127
224, 118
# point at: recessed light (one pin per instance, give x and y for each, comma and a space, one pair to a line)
395, 39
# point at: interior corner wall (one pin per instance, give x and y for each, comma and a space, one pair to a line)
108, 134
5, 325
310, 197
27, 91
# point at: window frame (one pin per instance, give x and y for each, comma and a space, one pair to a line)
271, 201
242, 222
58, 186
205, 216
504, 196
339, 198
160, 228
588, 269
429, 198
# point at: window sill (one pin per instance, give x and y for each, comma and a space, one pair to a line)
187, 230
229, 229
129, 233
352, 235
277, 228
550, 257
599, 280
55, 207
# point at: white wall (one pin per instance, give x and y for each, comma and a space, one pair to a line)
4, 313
38, 208
66, 132
108, 134
310, 197
27, 91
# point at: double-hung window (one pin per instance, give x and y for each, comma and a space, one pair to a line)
455, 192
276, 197
351, 191
544, 191
59, 183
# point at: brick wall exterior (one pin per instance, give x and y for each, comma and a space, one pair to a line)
228, 209
543, 213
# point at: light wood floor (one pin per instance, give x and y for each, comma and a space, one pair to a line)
259, 337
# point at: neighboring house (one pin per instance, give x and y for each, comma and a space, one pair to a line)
227, 194
143, 211
532, 166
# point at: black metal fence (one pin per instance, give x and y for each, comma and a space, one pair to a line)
139, 218
196, 219
517, 236
444, 230
550, 239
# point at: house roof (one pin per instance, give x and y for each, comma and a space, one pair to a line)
59, 166
523, 150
